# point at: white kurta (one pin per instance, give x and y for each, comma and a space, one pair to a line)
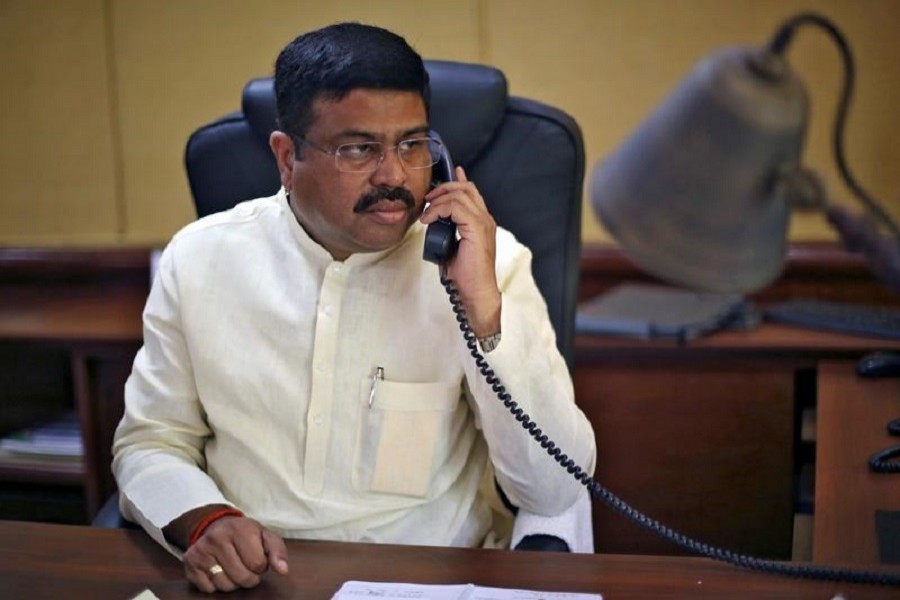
253, 388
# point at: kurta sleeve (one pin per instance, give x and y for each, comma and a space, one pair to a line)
534, 373
158, 449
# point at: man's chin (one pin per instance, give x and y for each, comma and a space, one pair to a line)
391, 236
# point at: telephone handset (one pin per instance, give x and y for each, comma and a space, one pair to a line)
440, 237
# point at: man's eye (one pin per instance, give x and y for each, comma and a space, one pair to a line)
359, 151
411, 145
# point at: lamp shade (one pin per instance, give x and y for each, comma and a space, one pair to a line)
695, 195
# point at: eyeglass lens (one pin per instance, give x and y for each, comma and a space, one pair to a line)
415, 153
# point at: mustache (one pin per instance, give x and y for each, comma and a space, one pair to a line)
384, 192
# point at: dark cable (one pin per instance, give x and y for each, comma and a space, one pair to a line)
598, 491
885, 461
778, 45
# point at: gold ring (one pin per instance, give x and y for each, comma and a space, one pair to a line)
215, 570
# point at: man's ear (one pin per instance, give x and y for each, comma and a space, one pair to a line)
283, 148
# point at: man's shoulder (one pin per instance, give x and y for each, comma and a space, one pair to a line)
509, 247
243, 214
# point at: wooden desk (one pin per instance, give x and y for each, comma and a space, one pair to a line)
705, 437
56, 561
852, 417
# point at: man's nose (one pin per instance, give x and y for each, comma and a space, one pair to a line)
391, 170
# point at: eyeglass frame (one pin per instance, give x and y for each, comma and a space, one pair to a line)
336, 153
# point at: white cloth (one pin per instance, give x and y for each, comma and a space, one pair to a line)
253, 387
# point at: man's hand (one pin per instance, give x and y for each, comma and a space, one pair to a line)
859, 234
472, 268
232, 552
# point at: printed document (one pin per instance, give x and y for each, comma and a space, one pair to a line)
353, 590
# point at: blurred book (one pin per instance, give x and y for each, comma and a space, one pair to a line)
60, 437
655, 311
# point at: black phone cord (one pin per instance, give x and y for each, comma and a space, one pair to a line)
598, 491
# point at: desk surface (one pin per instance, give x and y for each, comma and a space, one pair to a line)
85, 313
775, 340
60, 561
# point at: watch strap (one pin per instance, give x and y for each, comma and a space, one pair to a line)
489, 342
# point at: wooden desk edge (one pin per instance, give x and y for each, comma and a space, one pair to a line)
106, 562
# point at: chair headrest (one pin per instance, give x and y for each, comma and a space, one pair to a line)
468, 102
467, 105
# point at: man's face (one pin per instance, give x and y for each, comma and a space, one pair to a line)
357, 212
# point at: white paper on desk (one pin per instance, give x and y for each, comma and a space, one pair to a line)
413, 591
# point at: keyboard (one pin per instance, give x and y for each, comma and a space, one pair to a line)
855, 319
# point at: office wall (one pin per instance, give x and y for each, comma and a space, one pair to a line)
99, 96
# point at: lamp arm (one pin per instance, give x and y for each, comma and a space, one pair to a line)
778, 45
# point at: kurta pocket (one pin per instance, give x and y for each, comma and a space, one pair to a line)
401, 432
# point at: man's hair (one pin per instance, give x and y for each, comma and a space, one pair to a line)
331, 62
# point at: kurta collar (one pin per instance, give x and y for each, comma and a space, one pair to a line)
358, 259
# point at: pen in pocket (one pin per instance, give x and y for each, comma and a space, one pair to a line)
376, 377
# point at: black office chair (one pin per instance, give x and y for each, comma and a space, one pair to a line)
527, 159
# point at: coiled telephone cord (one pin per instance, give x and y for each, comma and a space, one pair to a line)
598, 491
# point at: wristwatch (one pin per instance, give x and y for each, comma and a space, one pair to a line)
489, 342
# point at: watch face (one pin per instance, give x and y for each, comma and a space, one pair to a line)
489, 343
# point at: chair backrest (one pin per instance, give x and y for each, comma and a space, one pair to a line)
527, 159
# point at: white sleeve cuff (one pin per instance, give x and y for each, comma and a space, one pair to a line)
573, 525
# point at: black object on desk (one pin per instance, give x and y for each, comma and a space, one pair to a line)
887, 527
879, 364
856, 319
887, 460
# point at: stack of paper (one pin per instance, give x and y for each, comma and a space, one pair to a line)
60, 438
408, 591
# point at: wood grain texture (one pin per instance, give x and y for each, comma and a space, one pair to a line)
40, 561
852, 420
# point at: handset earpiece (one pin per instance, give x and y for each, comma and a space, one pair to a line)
440, 237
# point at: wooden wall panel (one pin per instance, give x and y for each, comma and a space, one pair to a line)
180, 65
100, 96
57, 154
609, 63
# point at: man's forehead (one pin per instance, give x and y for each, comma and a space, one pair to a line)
376, 112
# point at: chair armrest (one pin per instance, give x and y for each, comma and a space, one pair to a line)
540, 542
109, 516
569, 531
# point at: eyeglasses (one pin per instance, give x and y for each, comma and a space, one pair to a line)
365, 157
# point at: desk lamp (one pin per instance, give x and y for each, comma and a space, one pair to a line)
700, 195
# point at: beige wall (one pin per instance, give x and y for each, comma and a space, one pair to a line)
99, 96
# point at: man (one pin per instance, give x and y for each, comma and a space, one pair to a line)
302, 373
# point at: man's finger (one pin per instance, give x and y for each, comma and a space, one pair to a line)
236, 571
276, 551
207, 580
199, 579
222, 581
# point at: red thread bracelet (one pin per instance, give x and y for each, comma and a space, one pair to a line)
209, 520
